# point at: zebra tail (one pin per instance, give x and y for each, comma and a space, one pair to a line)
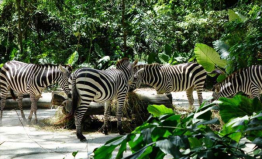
75, 98
12, 94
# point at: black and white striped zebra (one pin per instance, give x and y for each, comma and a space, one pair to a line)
30, 79
172, 78
247, 80
92, 85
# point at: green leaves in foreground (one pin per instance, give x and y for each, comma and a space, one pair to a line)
158, 110
238, 106
166, 133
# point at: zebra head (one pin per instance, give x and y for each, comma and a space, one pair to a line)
65, 72
128, 69
138, 77
216, 92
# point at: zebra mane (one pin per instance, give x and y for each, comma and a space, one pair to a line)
70, 68
122, 61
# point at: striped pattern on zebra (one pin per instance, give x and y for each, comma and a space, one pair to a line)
247, 80
31, 79
92, 85
176, 78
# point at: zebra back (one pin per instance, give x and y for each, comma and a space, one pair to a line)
166, 78
32, 78
247, 80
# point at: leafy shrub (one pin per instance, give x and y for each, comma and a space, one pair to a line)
190, 137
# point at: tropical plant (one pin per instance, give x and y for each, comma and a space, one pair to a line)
166, 133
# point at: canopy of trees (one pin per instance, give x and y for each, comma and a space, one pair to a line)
102, 31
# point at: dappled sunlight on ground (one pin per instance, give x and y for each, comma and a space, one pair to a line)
20, 140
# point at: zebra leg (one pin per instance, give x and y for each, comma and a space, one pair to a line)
20, 105
169, 96
120, 105
189, 93
33, 106
3, 101
200, 97
79, 114
106, 115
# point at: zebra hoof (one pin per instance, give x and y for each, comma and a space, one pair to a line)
105, 131
81, 137
121, 132
83, 140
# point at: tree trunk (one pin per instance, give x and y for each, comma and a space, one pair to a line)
134, 100
124, 26
20, 35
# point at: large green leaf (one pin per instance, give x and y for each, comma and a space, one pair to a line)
171, 146
151, 58
258, 142
235, 16
164, 58
222, 48
141, 153
168, 50
158, 110
208, 57
106, 150
238, 106
72, 58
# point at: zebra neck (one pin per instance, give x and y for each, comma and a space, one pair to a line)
228, 89
151, 77
48, 75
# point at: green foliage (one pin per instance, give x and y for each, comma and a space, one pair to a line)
191, 136
74, 153
235, 16
242, 35
208, 57
238, 106
72, 59
158, 110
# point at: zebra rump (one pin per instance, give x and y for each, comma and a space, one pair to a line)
92, 85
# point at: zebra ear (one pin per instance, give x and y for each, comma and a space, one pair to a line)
217, 89
135, 63
63, 69
140, 71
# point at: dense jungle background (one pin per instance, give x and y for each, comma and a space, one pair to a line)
98, 32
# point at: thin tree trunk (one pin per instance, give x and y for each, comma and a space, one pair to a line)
20, 35
124, 26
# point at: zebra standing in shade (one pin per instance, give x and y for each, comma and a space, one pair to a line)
26, 78
167, 79
91, 85
247, 80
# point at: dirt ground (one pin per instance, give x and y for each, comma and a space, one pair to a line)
18, 140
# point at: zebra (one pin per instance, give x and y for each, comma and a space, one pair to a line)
176, 78
247, 80
92, 85
31, 79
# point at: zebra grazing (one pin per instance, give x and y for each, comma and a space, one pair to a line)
247, 80
99, 86
30, 78
176, 78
